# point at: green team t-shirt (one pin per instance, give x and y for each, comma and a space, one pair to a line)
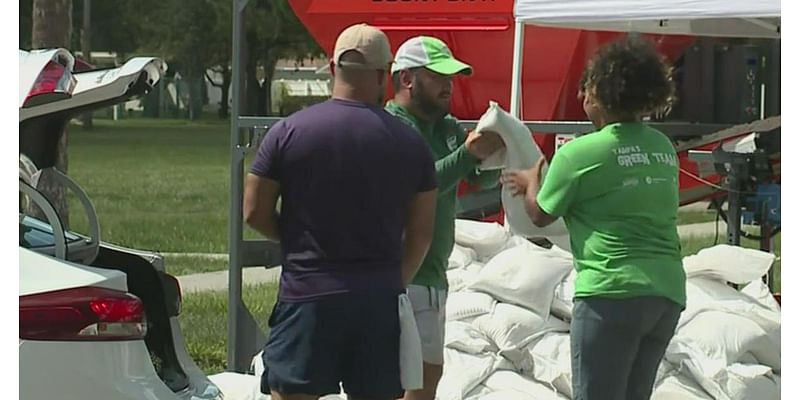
617, 190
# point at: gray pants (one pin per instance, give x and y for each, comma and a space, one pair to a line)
617, 345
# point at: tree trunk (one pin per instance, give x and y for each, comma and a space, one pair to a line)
269, 72
226, 87
192, 95
52, 27
191, 83
252, 87
262, 94
52, 24
86, 47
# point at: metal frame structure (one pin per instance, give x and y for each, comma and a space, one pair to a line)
245, 338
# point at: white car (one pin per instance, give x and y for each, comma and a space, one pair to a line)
97, 321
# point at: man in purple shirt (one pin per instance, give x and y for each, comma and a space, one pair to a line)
358, 197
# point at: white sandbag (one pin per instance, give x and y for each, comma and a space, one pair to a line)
459, 279
475, 267
726, 382
561, 309
235, 386
257, 364
509, 326
516, 240
505, 380
460, 257
463, 373
485, 238
525, 275
676, 386
462, 305
507, 395
505, 365
555, 346
552, 362
729, 263
521, 152
562, 299
478, 393
466, 338
729, 338
750, 382
524, 361
759, 291
704, 294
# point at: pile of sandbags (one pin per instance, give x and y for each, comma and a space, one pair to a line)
510, 303
508, 313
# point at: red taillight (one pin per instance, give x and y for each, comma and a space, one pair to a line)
82, 314
55, 81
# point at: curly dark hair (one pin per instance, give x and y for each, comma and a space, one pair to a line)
629, 78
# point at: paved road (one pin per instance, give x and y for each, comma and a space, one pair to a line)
219, 280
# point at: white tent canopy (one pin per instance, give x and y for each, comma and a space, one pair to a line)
735, 18
727, 18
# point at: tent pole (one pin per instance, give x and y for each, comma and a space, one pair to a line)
516, 71
516, 82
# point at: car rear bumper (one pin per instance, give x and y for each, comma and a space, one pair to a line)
88, 370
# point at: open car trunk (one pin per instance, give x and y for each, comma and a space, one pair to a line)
161, 297
41, 125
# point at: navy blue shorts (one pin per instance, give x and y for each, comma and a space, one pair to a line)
349, 338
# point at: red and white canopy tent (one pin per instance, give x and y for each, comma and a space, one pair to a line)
726, 18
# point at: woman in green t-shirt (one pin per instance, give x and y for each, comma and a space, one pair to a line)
617, 190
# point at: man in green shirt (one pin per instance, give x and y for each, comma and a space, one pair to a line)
422, 75
617, 189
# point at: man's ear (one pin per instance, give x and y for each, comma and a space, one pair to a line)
406, 79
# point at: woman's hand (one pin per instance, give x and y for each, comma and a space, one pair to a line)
518, 181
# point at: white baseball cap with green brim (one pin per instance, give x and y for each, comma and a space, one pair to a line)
431, 53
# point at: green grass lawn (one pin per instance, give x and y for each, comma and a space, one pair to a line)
156, 184
204, 322
686, 217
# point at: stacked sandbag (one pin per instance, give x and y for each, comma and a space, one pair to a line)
525, 275
562, 298
464, 372
510, 303
728, 341
502, 289
484, 239
508, 312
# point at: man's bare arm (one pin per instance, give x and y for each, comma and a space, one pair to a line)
418, 232
260, 197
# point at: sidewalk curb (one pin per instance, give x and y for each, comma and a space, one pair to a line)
218, 280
